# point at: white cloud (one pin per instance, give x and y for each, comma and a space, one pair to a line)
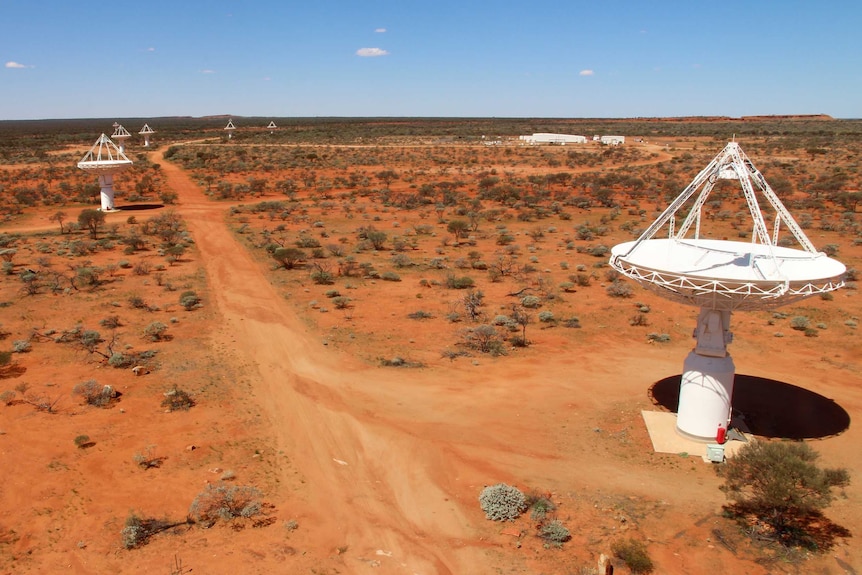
12, 64
151, 49
371, 52
380, 30
207, 71
585, 73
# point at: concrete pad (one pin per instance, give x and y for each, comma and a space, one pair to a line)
665, 438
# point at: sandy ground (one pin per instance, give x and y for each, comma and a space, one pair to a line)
382, 468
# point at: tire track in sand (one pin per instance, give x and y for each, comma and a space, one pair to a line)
371, 486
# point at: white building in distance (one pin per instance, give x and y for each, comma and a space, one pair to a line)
546, 138
613, 140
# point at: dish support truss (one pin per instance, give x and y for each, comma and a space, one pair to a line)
105, 159
730, 163
706, 386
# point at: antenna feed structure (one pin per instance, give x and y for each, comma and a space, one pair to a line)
105, 159
720, 277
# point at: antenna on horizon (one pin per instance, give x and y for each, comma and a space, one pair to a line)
146, 132
121, 135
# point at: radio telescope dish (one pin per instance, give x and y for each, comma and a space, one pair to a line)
230, 128
105, 159
146, 132
722, 276
121, 135
271, 127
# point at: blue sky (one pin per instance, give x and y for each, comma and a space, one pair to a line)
563, 58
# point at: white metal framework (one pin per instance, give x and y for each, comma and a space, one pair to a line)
724, 274
720, 277
105, 159
230, 128
146, 132
121, 135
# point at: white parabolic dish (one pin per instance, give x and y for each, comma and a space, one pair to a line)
104, 158
727, 275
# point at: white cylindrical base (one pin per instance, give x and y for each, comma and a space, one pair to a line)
705, 395
106, 182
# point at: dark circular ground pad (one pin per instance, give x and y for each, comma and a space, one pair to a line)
770, 408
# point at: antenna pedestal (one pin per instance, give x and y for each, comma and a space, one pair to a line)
106, 183
706, 388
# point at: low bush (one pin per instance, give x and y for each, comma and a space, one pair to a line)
463, 282
502, 502
225, 502
189, 300
95, 394
177, 400
555, 532
618, 288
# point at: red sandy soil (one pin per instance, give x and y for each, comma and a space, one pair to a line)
380, 468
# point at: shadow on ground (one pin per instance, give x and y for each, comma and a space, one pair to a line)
139, 207
770, 408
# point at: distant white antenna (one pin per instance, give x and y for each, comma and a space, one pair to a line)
230, 128
121, 135
721, 276
105, 159
272, 127
146, 132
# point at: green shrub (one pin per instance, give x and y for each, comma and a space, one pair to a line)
555, 532
420, 315
582, 280
322, 277
189, 300
95, 394
390, 277
156, 331
619, 288
780, 486
799, 323
502, 502
540, 507
546, 316
463, 282
531, 301
634, 554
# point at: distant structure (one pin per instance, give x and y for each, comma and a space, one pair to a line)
146, 132
105, 159
559, 139
613, 140
230, 128
722, 276
121, 135
272, 127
